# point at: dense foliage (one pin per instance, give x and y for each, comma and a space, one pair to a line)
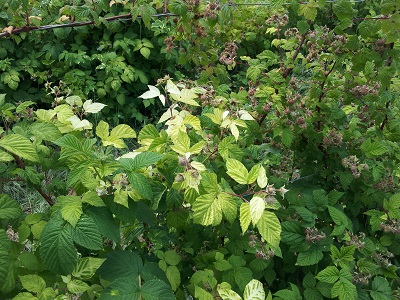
270, 169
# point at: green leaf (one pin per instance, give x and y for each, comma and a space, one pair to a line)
87, 267
120, 264
128, 289
77, 286
9, 208
45, 131
329, 275
254, 291
174, 277
270, 228
242, 276
32, 283
245, 216
172, 258
257, 206
145, 52
373, 149
20, 146
310, 257
144, 159
105, 222
237, 171
5, 157
344, 289
141, 184
71, 209
93, 199
25, 296
309, 10
381, 289
57, 249
86, 234
178, 7
287, 137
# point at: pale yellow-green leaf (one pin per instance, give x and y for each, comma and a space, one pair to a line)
74, 100
240, 123
237, 170
257, 206
192, 121
228, 206
123, 131
71, 209
4, 156
198, 166
32, 283
90, 107
196, 148
270, 228
181, 143
216, 117
78, 123
45, 115
234, 131
262, 179
20, 146
254, 291
244, 115
253, 174
207, 210
114, 141
245, 217
77, 286
228, 294
186, 96
171, 87
102, 130
168, 115
151, 93
121, 197
64, 112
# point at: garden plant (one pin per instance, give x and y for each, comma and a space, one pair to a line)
190, 149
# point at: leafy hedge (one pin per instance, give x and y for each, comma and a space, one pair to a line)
272, 174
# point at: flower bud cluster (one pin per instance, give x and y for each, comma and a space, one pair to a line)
313, 235
354, 165
363, 90
228, 56
361, 278
276, 19
324, 41
356, 240
211, 10
383, 258
333, 138
391, 225
169, 43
